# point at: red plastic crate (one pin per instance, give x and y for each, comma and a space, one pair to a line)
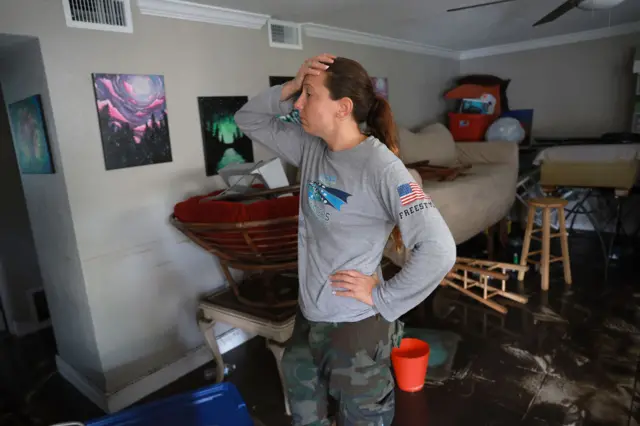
469, 127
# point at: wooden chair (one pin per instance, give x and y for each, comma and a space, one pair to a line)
546, 204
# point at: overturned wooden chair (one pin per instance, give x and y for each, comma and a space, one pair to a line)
468, 273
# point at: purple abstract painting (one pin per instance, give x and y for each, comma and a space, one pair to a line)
132, 113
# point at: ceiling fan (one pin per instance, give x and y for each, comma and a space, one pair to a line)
557, 12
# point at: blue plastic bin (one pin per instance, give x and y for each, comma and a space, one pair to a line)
219, 405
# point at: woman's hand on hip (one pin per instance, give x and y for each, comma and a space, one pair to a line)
354, 284
312, 66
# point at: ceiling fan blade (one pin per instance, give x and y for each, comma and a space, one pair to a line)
455, 9
559, 11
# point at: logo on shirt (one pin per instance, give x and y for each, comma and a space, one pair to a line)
330, 196
410, 192
320, 196
416, 208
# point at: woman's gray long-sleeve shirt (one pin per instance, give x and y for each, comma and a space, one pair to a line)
349, 202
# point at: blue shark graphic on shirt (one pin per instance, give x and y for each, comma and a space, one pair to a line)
318, 191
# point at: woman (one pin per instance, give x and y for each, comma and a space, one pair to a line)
355, 190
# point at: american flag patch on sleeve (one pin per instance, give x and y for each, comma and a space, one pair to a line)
410, 192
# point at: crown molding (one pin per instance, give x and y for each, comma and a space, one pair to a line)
541, 43
357, 37
180, 9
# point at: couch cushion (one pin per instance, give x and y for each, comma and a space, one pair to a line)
473, 202
441, 146
434, 143
410, 144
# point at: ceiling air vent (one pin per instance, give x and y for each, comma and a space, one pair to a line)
286, 35
104, 15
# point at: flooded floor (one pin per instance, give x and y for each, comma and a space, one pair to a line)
568, 357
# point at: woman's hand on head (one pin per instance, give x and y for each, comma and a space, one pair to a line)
354, 284
312, 66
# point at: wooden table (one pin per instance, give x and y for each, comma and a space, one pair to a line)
275, 325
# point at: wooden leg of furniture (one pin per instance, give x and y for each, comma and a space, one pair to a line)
546, 248
491, 242
206, 327
564, 242
278, 352
501, 230
504, 232
526, 245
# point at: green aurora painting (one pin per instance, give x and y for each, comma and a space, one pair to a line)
223, 141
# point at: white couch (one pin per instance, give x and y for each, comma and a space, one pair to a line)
471, 203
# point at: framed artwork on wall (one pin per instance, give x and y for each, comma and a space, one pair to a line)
275, 80
30, 138
294, 116
381, 86
133, 120
223, 142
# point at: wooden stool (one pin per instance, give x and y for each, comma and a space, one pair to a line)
546, 204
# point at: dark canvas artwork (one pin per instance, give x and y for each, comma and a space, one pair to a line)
275, 80
134, 125
223, 141
294, 116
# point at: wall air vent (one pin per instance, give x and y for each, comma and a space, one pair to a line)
285, 35
103, 15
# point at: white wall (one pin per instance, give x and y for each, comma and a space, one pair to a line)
22, 75
578, 89
142, 277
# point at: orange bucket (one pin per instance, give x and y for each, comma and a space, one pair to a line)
410, 363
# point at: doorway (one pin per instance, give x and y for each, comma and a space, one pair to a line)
21, 73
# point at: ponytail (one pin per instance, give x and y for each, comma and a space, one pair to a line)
347, 78
382, 126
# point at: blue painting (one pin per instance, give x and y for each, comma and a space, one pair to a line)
30, 136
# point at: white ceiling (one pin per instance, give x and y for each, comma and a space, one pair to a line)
427, 22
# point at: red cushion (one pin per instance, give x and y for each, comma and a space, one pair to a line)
192, 210
233, 243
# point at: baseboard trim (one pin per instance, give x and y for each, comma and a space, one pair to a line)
158, 379
117, 400
84, 385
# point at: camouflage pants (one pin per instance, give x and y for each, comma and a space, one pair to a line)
347, 361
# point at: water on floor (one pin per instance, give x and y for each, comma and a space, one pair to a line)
568, 357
